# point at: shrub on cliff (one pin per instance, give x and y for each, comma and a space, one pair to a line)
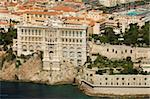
18, 63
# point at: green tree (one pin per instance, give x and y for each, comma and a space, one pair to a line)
146, 33
131, 35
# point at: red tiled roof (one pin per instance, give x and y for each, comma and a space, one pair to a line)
64, 8
4, 11
43, 13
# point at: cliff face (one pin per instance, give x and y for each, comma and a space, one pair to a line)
31, 70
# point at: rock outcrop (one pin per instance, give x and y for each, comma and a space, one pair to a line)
31, 71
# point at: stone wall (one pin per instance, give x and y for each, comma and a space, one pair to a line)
120, 51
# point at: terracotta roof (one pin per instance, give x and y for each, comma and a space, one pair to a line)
21, 8
17, 13
76, 18
43, 13
3, 23
64, 8
11, 4
37, 0
4, 11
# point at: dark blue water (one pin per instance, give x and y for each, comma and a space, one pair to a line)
18, 90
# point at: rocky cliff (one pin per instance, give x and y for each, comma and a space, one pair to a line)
31, 71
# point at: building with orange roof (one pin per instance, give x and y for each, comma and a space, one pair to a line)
63, 9
39, 17
4, 25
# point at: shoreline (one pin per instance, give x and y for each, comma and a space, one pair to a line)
89, 93
84, 90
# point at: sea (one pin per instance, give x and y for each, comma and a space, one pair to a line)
20, 90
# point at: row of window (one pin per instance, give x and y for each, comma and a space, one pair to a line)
31, 39
72, 48
38, 16
31, 32
124, 78
121, 51
118, 83
79, 62
72, 33
72, 40
72, 54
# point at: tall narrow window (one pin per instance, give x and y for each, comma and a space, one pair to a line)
80, 33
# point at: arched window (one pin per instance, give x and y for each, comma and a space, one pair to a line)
64, 53
71, 54
71, 48
71, 60
79, 49
79, 54
38, 48
64, 48
79, 62
24, 48
51, 54
31, 48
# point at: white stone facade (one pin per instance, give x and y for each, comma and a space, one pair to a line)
96, 84
61, 42
111, 3
121, 51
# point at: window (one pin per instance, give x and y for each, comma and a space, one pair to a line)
66, 33
130, 51
117, 83
112, 50
29, 31
69, 33
121, 52
73, 40
91, 74
21, 30
107, 50
122, 78
122, 83
73, 33
116, 52
106, 78
62, 33
39, 32
77, 33
80, 40
100, 83
36, 31
71, 60
32, 32
145, 78
125, 51
133, 78
145, 83
71, 54
117, 78
62, 40
80, 33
